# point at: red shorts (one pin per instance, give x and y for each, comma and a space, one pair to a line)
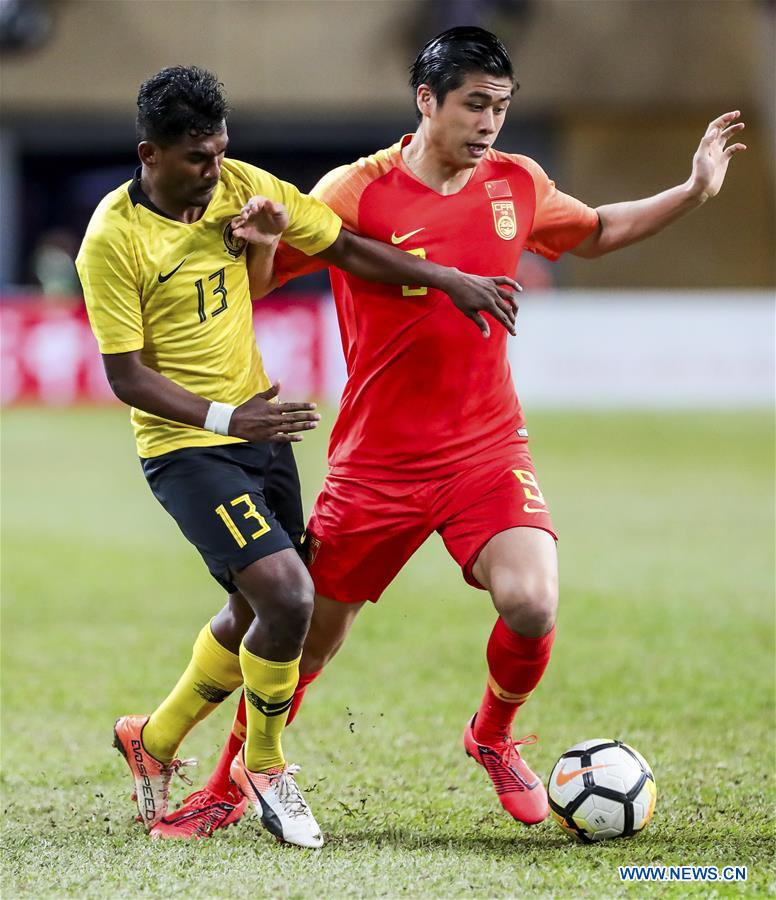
362, 532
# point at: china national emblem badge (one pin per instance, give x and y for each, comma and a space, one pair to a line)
504, 219
313, 546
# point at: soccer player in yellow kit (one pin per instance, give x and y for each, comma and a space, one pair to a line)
164, 275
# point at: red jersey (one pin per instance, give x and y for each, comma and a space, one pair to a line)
426, 394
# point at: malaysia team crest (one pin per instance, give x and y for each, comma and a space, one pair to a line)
504, 219
235, 245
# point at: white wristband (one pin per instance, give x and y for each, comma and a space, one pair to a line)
219, 415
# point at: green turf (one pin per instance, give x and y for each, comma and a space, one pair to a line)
666, 639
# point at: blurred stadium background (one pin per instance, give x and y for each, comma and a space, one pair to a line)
615, 95
646, 375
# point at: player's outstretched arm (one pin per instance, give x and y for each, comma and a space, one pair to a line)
622, 224
258, 419
472, 294
260, 222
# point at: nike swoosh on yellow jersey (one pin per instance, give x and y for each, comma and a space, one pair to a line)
395, 239
163, 278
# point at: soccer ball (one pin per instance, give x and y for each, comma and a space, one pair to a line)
602, 789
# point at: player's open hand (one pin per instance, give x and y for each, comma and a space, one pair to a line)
711, 159
261, 221
259, 419
475, 295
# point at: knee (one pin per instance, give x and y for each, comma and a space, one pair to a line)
237, 613
292, 609
283, 600
528, 605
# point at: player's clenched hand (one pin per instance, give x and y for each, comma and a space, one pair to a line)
711, 159
261, 221
474, 295
260, 420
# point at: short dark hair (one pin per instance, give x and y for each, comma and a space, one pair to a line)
449, 57
178, 101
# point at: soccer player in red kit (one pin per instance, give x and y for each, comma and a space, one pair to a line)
430, 435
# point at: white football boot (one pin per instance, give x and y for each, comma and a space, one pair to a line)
278, 802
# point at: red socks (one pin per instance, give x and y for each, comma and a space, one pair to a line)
304, 682
516, 665
219, 782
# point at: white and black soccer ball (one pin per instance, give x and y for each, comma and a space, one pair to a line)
602, 789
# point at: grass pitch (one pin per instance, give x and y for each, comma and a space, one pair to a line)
665, 639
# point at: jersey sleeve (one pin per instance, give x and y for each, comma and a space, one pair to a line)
312, 226
106, 267
341, 195
561, 222
291, 263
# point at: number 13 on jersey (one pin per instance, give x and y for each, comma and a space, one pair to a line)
250, 513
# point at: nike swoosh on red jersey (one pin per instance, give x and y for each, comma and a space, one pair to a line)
396, 239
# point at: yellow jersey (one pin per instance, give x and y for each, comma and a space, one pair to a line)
179, 292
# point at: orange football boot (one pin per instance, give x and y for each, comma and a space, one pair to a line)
151, 777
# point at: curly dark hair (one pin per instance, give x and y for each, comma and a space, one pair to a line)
449, 57
177, 101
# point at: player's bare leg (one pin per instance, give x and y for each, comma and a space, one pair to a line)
519, 567
329, 626
232, 621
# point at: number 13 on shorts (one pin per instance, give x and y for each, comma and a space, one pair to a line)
250, 513
531, 490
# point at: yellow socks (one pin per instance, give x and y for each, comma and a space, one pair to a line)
211, 676
269, 690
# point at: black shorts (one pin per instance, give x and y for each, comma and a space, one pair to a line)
236, 503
